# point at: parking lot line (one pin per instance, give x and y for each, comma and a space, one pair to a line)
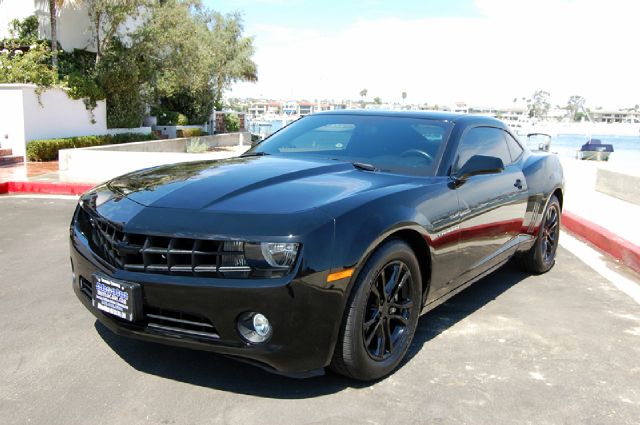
600, 264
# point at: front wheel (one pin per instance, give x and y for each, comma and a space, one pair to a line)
542, 256
382, 314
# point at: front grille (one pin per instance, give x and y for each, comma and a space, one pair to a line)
163, 255
179, 323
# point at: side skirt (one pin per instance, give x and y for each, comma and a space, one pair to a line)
435, 303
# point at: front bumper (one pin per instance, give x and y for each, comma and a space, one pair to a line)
305, 316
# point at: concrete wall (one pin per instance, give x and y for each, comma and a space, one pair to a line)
12, 121
57, 115
100, 163
24, 117
620, 184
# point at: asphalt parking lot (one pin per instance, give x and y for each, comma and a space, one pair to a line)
553, 349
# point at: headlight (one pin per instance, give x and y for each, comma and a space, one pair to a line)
279, 254
275, 258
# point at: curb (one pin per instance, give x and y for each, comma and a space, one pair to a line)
49, 188
607, 241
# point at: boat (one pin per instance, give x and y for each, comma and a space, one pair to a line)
595, 150
539, 141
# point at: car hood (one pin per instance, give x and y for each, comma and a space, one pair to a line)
267, 184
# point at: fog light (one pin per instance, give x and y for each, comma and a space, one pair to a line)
261, 325
254, 327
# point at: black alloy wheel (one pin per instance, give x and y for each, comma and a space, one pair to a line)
550, 233
542, 255
388, 310
381, 315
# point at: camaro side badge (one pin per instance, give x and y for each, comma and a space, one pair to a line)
447, 231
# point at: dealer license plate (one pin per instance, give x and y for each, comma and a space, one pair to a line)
115, 297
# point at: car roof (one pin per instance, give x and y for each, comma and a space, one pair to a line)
465, 119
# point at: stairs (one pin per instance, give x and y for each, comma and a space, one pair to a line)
8, 158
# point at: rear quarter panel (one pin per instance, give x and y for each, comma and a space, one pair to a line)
544, 175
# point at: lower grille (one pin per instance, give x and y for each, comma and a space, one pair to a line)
167, 321
179, 323
86, 287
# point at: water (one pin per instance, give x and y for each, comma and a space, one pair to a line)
626, 148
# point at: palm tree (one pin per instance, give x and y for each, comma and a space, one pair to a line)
54, 7
404, 96
363, 93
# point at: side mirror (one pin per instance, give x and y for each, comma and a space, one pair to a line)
480, 164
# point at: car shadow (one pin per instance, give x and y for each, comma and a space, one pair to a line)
464, 304
221, 373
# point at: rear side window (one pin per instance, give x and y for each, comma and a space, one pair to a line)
487, 141
514, 147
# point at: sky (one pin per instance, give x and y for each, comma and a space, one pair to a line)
482, 52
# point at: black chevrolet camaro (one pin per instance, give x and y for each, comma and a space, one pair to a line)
320, 246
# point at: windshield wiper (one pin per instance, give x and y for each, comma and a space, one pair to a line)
364, 166
244, 155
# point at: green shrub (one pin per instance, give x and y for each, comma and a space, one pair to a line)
182, 119
231, 123
171, 118
47, 149
24, 32
196, 105
27, 67
189, 132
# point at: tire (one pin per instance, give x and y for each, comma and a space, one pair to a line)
542, 255
376, 331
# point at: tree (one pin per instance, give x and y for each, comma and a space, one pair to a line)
174, 48
193, 55
53, 20
377, 100
231, 54
404, 96
363, 94
539, 104
575, 104
106, 17
54, 8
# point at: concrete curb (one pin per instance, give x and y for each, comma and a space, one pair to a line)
48, 188
607, 241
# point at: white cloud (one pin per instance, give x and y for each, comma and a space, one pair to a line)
515, 47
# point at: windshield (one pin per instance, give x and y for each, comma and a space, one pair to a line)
395, 144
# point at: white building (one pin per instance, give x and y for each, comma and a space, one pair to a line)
73, 25
25, 116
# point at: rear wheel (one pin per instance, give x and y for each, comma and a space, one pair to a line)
542, 256
382, 314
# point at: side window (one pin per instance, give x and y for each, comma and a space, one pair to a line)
487, 141
514, 147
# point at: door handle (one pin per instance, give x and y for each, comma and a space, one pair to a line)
518, 184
